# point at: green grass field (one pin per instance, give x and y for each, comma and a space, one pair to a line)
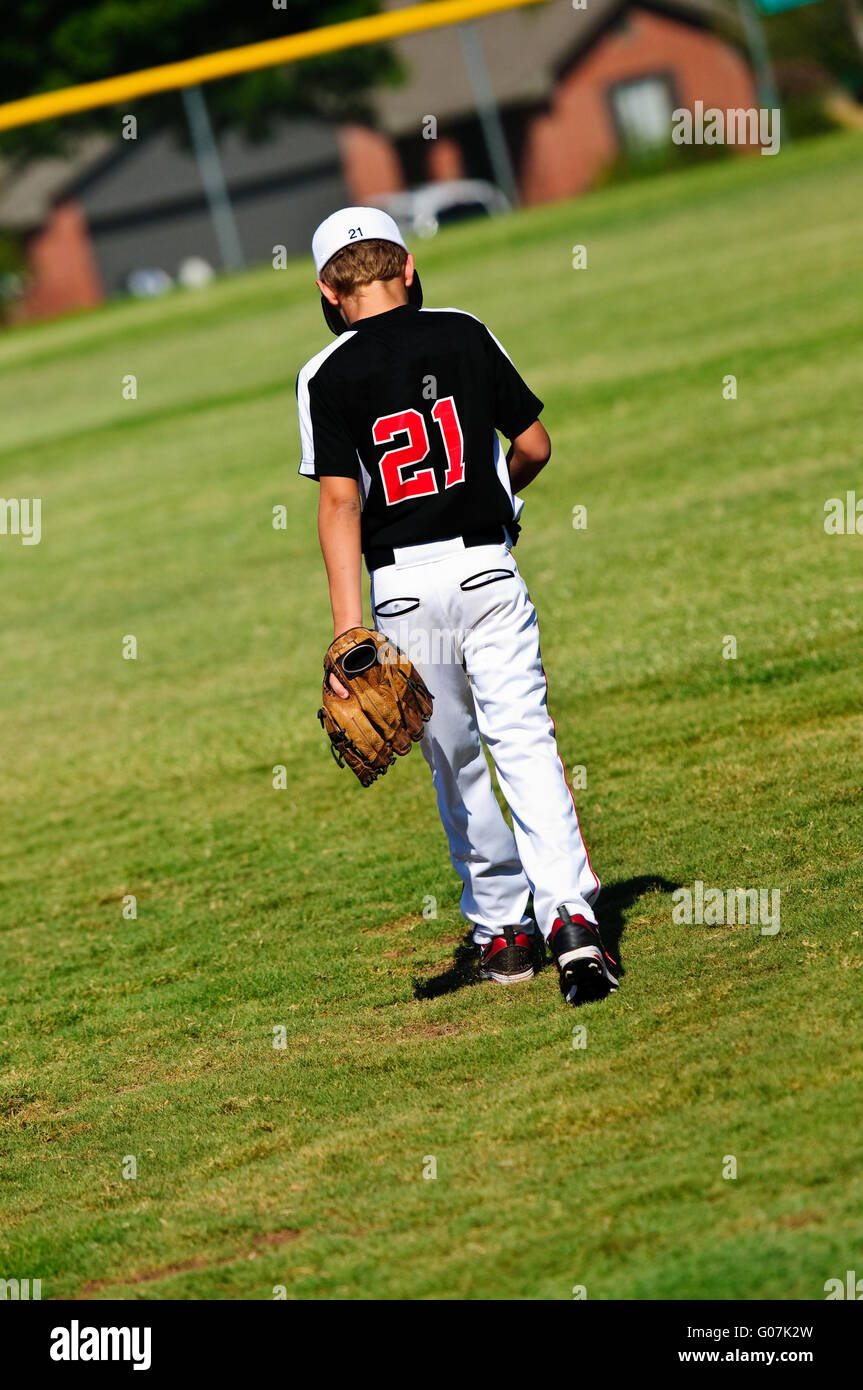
557, 1166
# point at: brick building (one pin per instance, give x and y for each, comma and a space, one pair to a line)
576, 88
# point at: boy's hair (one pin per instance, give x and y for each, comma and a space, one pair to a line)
362, 264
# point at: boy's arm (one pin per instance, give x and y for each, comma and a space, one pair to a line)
330, 456
516, 415
339, 534
528, 455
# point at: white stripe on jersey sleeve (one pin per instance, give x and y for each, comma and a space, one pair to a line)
307, 462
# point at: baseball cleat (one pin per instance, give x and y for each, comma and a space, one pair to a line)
587, 971
507, 959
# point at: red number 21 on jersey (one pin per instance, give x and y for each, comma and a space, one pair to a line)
421, 483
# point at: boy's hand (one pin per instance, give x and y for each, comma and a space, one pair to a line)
334, 682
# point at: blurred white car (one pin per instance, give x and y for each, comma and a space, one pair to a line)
422, 211
148, 281
194, 273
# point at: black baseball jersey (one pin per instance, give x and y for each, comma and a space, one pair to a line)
409, 403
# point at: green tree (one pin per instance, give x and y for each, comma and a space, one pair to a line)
46, 44
824, 35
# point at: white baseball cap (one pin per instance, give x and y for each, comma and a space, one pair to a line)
344, 228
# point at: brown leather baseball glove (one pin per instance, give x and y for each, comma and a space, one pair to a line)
387, 706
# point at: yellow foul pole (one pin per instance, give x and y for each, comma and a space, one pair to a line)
351, 34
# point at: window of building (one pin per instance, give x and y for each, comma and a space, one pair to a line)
642, 110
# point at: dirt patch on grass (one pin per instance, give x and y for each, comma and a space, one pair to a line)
268, 1241
432, 1030
799, 1220
413, 919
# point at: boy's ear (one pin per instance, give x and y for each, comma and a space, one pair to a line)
409, 271
329, 294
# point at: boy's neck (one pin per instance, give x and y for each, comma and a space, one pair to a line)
377, 298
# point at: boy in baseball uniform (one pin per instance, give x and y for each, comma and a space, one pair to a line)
400, 419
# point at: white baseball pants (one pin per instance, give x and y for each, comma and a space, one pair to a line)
465, 618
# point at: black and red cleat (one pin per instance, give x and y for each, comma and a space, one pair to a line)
508, 959
587, 971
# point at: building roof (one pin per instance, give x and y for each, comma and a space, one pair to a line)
115, 177
525, 51
28, 187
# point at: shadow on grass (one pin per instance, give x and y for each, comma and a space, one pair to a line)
615, 901
459, 975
